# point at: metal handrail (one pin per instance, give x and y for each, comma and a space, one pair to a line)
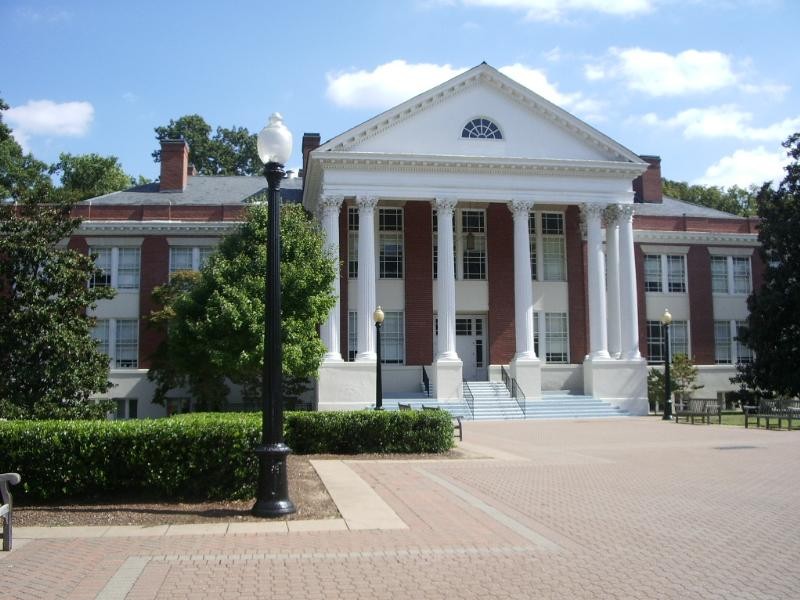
468, 397
515, 390
426, 382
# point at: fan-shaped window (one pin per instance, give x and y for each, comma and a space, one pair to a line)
482, 129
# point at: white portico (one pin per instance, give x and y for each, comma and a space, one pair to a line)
456, 154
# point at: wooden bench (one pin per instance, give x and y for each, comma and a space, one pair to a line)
6, 508
699, 407
457, 426
772, 408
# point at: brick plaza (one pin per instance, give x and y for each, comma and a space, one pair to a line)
627, 508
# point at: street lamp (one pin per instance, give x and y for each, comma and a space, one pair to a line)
378, 317
272, 495
666, 319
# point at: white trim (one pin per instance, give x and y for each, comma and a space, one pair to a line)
193, 241
665, 249
695, 237
717, 251
108, 242
115, 228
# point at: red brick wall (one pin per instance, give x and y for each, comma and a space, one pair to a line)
343, 280
154, 272
79, 244
641, 302
418, 242
500, 269
701, 305
577, 283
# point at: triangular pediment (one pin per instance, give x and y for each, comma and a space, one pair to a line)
432, 124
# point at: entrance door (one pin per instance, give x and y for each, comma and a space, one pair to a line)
470, 346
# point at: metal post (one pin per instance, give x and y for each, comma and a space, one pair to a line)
272, 494
667, 383
378, 382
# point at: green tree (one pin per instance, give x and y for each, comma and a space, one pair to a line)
773, 326
214, 320
20, 173
49, 364
734, 200
89, 175
226, 152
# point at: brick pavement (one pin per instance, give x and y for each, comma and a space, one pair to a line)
631, 508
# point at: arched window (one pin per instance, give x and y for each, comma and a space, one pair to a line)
481, 128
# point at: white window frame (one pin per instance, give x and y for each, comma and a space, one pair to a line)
664, 273
112, 349
114, 251
542, 343
737, 351
197, 258
397, 338
395, 236
730, 273
460, 243
352, 335
672, 337
352, 242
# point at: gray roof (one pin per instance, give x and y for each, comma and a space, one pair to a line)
202, 189
672, 207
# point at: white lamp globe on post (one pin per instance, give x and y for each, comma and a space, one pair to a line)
274, 144
666, 321
378, 316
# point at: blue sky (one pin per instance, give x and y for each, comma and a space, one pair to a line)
709, 85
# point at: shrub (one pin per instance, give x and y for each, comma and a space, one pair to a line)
207, 456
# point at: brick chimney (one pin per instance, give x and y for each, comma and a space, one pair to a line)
174, 165
310, 142
647, 186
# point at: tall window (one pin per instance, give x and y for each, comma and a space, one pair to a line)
119, 340
188, 258
678, 340
390, 240
352, 242
553, 247
532, 243
119, 267
556, 338
727, 347
352, 335
473, 232
393, 338
731, 275
665, 273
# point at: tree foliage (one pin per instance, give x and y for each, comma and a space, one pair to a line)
773, 326
89, 175
49, 364
214, 320
226, 152
20, 173
734, 200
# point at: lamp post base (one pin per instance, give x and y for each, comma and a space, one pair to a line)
272, 495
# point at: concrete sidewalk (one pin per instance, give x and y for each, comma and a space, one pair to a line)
632, 508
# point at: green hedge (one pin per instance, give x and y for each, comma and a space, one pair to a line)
192, 456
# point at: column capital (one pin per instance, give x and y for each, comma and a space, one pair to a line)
593, 210
445, 203
366, 202
520, 207
625, 211
611, 215
330, 203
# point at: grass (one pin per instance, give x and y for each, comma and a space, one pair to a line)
736, 419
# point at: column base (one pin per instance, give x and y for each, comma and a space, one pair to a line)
528, 373
366, 357
448, 379
332, 357
623, 383
346, 385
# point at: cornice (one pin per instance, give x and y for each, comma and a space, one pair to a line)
419, 163
152, 227
695, 237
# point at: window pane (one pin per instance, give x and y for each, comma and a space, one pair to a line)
472, 221
393, 338
463, 326
741, 275
180, 259
722, 342
100, 335
532, 242
679, 338
352, 335
554, 259
556, 342
719, 274
655, 342
127, 346
103, 262
536, 333
652, 273
552, 224
676, 274
205, 254
352, 243
390, 242
128, 270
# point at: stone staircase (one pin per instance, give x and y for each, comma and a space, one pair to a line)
564, 405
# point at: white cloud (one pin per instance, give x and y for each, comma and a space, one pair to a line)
387, 84
48, 118
745, 168
662, 74
557, 10
723, 121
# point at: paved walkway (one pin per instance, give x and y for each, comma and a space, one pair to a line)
629, 508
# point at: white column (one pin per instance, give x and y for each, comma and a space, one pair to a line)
366, 277
329, 207
612, 258
446, 281
598, 342
628, 294
523, 292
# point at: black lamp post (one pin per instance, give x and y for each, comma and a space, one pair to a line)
272, 493
378, 317
666, 320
